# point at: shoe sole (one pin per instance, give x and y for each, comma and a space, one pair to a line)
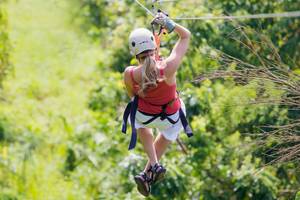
141, 186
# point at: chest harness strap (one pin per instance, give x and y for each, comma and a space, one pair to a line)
131, 109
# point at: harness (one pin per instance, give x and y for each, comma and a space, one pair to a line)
131, 110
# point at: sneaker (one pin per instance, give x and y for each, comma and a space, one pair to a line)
142, 181
157, 172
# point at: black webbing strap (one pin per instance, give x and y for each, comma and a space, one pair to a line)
131, 109
185, 124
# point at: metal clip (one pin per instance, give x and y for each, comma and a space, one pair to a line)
153, 23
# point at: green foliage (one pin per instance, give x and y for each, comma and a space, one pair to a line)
284, 38
4, 44
60, 120
297, 196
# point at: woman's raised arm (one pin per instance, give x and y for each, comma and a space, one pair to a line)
179, 50
181, 46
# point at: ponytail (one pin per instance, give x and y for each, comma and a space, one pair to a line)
149, 75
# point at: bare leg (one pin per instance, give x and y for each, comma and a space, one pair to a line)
160, 144
146, 138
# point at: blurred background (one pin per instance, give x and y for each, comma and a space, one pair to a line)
62, 98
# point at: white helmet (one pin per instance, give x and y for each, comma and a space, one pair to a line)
140, 40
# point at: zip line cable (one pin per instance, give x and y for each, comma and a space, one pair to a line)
153, 15
164, 1
254, 16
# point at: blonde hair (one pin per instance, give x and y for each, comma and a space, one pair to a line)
149, 75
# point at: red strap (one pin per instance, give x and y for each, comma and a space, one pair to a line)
131, 75
157, 41
161, 72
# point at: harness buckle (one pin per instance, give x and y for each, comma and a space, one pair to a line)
163, 116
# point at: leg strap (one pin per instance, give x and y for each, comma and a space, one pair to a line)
185, 124
132, 121
131, 109
125, 117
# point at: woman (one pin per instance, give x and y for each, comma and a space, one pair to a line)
155, 104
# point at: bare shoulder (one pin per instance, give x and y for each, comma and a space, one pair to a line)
170, 78
127, 71
128, 68
164, 65
127, 74
128, 81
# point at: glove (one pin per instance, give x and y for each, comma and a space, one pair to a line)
163, 20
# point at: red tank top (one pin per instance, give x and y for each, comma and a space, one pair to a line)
156, 97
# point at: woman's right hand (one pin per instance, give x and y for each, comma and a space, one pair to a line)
163, 20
